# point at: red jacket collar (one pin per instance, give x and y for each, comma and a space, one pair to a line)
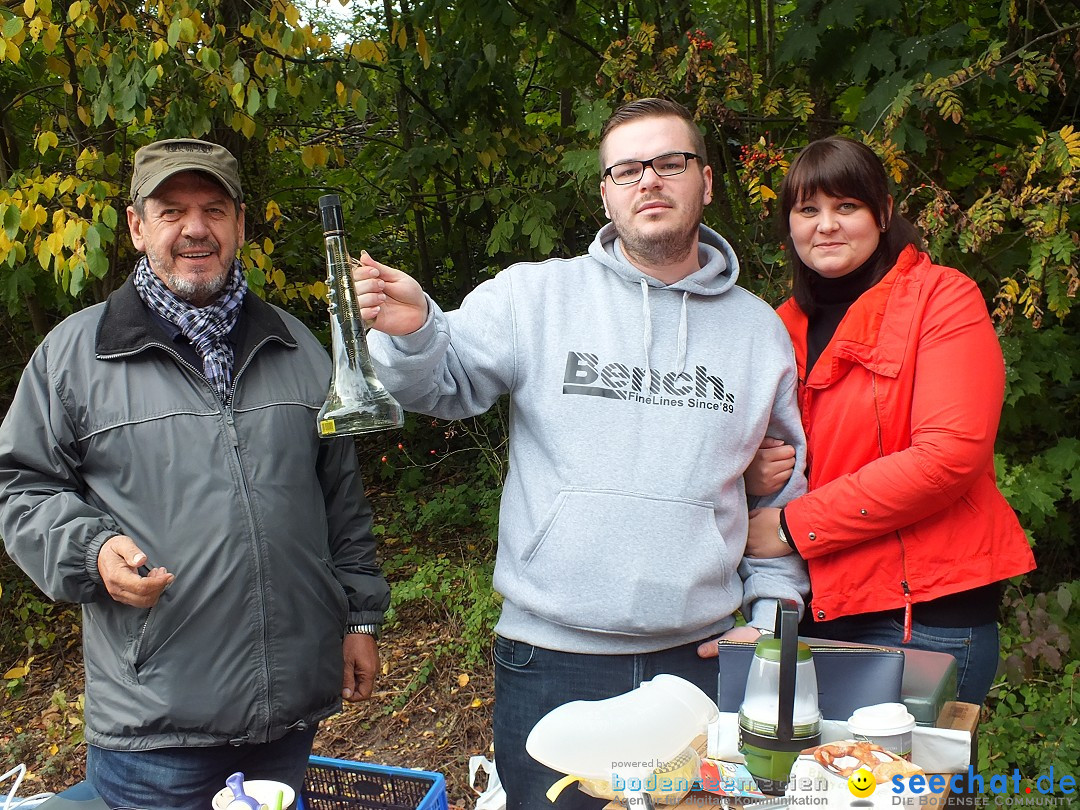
870, 334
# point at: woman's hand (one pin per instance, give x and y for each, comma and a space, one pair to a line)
763, 538
771, 468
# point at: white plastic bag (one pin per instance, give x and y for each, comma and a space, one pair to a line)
493, 797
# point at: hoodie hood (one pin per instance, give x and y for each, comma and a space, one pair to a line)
719, 270
719, 265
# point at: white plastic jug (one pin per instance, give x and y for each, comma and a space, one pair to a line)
623, 740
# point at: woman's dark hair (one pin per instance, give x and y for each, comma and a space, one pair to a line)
841, 167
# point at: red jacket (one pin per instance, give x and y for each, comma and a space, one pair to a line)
901, 411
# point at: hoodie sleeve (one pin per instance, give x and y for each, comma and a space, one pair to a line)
766, 580
48, 527
458, 363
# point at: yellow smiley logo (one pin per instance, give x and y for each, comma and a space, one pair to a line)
862, 783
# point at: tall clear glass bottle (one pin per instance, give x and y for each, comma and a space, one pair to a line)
357, 402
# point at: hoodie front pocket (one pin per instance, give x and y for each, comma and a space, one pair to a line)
628, 563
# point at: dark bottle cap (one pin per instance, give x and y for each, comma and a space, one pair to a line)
330, 210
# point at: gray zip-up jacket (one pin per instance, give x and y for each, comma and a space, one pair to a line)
265, 526
635, 409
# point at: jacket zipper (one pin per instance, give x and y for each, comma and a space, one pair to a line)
259, 573
899, 536
226, 410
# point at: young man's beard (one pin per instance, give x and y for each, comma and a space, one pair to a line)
668, 247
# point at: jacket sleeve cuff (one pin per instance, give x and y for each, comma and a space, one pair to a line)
376, 617
93, 549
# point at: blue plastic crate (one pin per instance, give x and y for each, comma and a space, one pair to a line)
339, 784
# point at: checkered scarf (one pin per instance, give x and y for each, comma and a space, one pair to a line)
206, 327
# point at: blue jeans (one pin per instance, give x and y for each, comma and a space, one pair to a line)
531, 681
976, 649
188, 778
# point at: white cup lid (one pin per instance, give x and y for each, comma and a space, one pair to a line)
881, 720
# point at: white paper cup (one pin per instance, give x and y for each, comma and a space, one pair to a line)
264, 791
887, 724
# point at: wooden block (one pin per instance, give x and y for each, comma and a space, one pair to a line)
959, 716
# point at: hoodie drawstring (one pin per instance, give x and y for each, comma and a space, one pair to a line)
681, 364
646, 314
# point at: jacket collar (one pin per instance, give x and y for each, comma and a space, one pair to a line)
874, 332
127, 326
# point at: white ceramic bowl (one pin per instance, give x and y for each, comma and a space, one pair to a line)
264, 791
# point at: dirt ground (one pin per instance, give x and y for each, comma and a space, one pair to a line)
426, 713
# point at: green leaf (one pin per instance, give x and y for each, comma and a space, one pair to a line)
238, 72
12, 27
254, 99
210, 59
173, 34
98, 263
12, 217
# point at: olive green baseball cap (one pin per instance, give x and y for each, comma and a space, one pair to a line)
157, 162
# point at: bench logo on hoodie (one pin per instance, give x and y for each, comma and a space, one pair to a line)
585, 375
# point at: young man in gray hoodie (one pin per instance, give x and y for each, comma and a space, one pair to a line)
642, 380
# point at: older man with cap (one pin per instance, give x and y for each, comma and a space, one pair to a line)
160, 465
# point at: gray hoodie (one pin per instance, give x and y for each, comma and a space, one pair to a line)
635, 409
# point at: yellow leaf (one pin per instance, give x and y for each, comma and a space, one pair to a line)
13, 53
307, 157
28, 7
273, 211
44, 254
128, 22
84, 115
367, 50
17, 672
422, 48
53, 750
248, 127
51, 37
767, 193
267, 246
74, 10
278, 277
292, 16
27, 220
57, 66
477, 703
462, 679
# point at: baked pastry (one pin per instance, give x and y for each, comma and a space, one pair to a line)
845, 757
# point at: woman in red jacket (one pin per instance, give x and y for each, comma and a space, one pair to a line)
901, 380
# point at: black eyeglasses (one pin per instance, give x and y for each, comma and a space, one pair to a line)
630, 171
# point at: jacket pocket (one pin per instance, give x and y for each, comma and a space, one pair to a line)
628, 563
